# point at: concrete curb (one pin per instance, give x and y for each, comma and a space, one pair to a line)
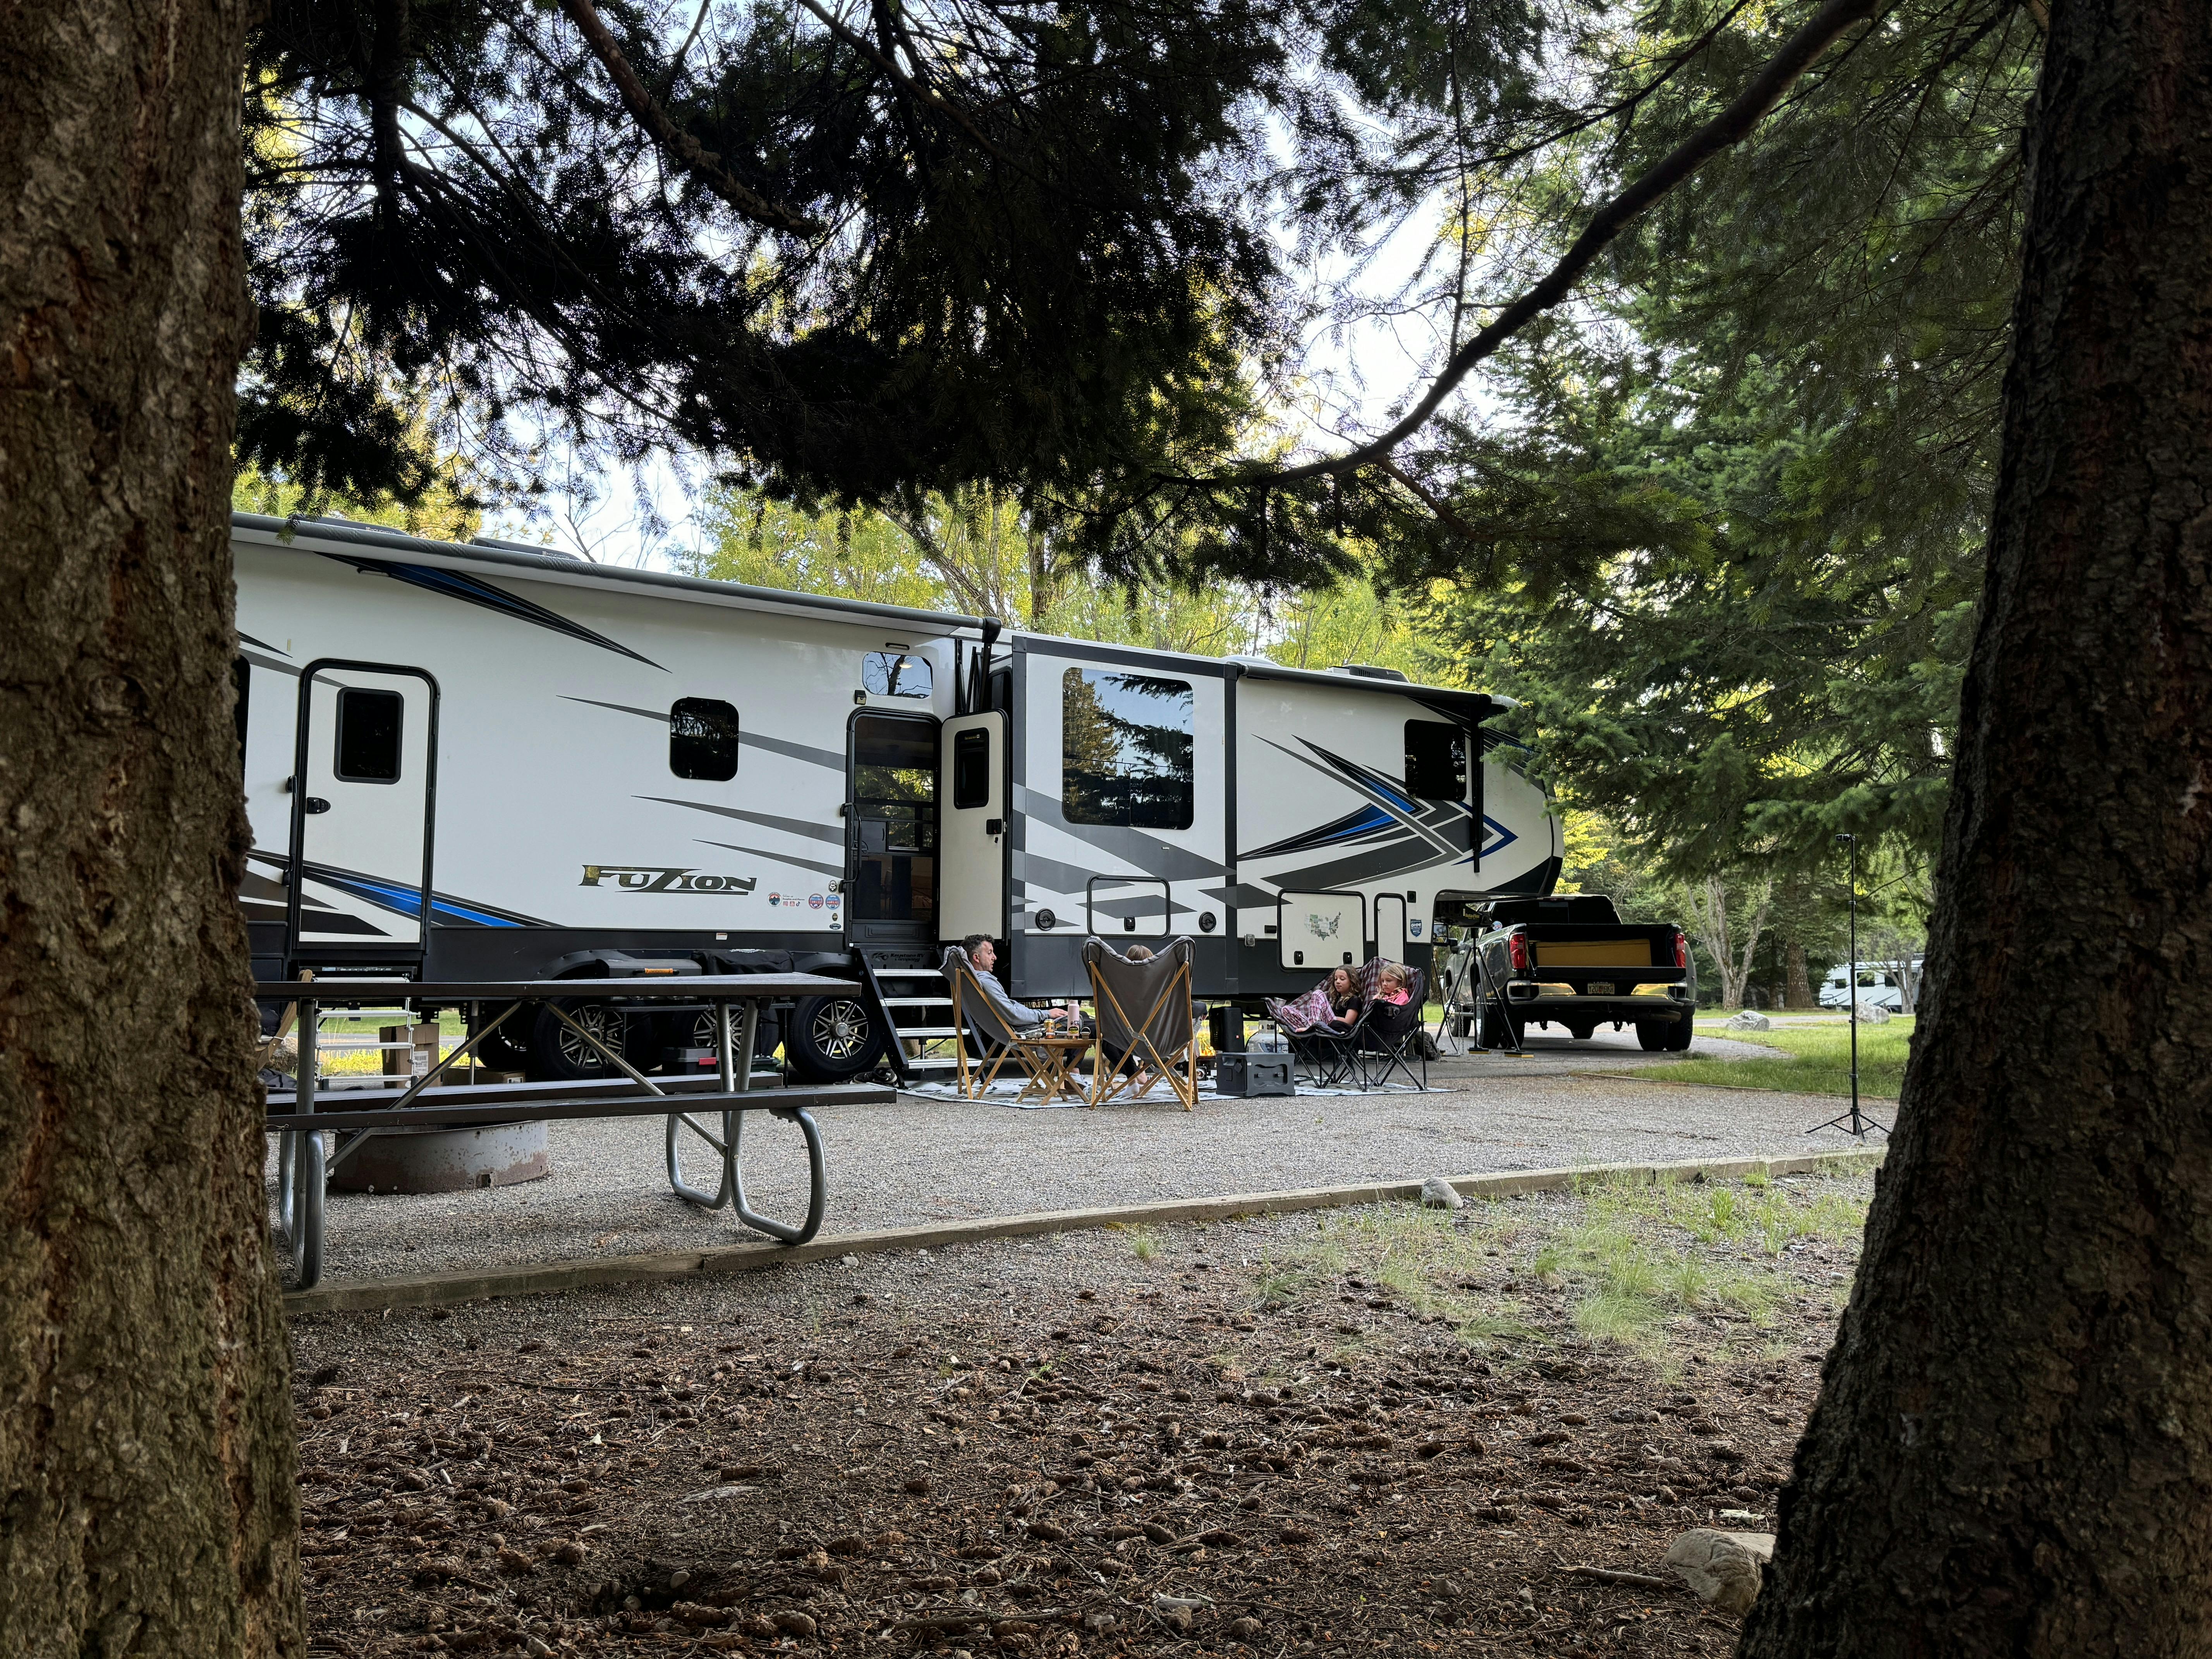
481, 1284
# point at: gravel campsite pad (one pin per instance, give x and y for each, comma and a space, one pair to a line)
1380, 1429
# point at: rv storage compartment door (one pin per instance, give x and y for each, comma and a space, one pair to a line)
1128, 907
1322, 931
361, 805
1390, 926
971, 796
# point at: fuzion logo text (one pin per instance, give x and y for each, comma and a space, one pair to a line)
658, 878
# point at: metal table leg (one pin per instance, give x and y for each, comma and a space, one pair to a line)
817, 1181
734, 1079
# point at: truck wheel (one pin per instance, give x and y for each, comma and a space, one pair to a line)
832, 1038
1679, 1034
557, 1054
1653, 1038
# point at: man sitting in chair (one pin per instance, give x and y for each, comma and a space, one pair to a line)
984, 957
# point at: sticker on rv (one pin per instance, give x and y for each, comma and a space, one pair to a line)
661, 878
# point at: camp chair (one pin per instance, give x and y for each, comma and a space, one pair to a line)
1143, 1014
1388, 1036
1044, 1063
1325, 1050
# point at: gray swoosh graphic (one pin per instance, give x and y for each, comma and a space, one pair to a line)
798, 751
1151, 856
766, 820
836, 870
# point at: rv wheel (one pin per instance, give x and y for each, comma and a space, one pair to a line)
557, 1054
831, 1039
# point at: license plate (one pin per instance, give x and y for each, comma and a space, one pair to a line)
1599, 988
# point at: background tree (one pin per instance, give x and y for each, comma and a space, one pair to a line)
146, 1461
2009, 1452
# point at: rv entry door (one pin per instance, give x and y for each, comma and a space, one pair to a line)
363, 785
972, 813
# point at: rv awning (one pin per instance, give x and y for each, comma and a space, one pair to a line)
1473, 707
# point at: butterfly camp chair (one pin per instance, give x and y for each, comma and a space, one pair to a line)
1325, 1050
1388, 1036
1044, 1064
1142, 1011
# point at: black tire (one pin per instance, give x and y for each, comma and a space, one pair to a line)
1653, 1038
1679, 1034
833, 1039
557, 1054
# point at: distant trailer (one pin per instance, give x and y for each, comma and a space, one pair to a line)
484, 761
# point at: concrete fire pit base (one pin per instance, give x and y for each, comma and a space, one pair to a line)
447, 1160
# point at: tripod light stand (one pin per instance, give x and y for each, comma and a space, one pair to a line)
1854, 1122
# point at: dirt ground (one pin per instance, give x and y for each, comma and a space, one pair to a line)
1380, 1429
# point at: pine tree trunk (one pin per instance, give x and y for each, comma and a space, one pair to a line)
146, 1459
2013, 1451
1797, 992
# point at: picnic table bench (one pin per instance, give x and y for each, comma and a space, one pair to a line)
300, 1118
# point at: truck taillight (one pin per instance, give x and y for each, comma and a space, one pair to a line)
1681, 949
1516, 948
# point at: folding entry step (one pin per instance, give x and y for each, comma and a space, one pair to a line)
921, 1007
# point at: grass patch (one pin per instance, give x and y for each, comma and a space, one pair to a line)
1810, 1061
1634, 1258
1144, 1243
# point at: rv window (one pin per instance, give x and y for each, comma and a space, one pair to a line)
887, 674
368, 736
702, 739
971, 770
1126, 750
1436, 761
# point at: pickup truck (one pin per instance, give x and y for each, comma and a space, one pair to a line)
1571, 961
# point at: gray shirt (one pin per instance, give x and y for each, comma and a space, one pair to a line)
1020, 1016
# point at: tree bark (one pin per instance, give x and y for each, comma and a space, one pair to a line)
146, 1459
2013, 1451
1798, 984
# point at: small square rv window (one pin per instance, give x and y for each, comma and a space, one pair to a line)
1436, 761
971, 768
702, 739
887, 674
368, 736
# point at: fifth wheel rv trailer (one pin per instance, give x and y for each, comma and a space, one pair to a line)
487, 762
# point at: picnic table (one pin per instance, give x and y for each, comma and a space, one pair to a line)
300, 1118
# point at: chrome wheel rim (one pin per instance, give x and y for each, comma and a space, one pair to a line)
840, 1029
599, 1020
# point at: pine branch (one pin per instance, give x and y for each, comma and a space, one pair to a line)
702, 162
1723, 131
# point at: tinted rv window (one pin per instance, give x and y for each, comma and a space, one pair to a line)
887, 674
368, 736
702, 739
1126, 750
1436, 761
971, 770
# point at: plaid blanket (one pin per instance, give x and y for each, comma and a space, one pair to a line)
1303, 1013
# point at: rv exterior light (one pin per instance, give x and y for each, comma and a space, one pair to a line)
860, 696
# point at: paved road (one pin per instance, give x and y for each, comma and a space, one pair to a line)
921, 1159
